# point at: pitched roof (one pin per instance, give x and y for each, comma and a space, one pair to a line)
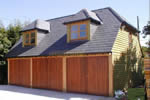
38, 24
55, 42
84, 14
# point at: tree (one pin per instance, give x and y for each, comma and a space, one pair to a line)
8, 37
13, 32
146, 32
5, 44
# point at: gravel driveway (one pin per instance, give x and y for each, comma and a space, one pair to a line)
9, 92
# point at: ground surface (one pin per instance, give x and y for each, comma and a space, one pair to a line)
8, 92
135, 93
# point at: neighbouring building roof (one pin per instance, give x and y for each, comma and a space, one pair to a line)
55, 42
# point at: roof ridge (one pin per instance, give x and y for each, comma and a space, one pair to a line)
101, 8
74, 14
60, 17
122, 19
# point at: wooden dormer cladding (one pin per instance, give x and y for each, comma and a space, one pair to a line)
79, 30
29, 38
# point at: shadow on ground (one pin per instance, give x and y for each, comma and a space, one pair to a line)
52, 94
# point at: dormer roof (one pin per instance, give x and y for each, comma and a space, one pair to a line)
38, 24
83, 15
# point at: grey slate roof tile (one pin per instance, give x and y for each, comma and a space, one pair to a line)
55, 42
38, 24
84, 14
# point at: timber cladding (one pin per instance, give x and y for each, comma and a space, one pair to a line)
88, 75
147, 63
147, 68
19, 72
47, 73
82, 74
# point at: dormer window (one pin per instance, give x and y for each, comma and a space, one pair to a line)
34, 31
29, 38
82, 25
78, 30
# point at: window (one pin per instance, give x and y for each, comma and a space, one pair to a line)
29, 38
82, 34
33, 38
78, 31
74, 28
74, 35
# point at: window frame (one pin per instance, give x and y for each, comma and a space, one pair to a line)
86, 22
30, 38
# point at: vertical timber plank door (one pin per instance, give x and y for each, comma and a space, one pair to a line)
55, 73
19, 71
39, 72
98, 75
76, 79
88, 75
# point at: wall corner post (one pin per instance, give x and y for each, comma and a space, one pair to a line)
30, 72
110, 74
64, 75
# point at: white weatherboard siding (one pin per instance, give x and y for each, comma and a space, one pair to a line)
122, 44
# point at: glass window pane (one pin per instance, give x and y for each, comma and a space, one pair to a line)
27, 40
74, 35
27, 36
82, 34
83, 27
32, 34
74, 28
32, 40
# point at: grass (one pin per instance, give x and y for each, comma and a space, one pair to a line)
135, 93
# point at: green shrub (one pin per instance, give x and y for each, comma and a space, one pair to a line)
126, 73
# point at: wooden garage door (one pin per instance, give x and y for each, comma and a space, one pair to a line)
76, 74
88, 75
19, 71
39, 73
55, 73
98, 75
47, 73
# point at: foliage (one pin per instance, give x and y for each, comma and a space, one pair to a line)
8, 37
120, 74
145, 50
146, 32
135, 93
126, 72
138, 76
13, 32
5, 44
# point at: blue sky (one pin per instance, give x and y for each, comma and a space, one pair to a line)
29, 10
